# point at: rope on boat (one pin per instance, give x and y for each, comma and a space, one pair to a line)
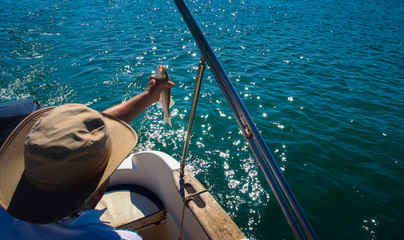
188, 198
201, 69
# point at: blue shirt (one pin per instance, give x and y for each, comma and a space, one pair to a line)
87, 226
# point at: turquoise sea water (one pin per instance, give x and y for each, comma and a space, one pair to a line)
323, 80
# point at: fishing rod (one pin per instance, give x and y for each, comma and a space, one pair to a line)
257, 144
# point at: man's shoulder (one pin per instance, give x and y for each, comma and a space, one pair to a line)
86, 226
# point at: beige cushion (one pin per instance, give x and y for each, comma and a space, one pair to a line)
132, 208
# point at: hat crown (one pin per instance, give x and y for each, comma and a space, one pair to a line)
66, 147
40, 182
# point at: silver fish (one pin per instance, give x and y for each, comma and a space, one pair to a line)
165, 97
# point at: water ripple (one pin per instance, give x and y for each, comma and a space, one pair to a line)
323, 81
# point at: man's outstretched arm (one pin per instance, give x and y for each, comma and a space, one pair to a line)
127, 111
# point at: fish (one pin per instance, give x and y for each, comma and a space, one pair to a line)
166, 100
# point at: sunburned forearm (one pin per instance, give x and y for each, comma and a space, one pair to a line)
127, 111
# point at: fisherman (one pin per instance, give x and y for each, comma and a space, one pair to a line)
55, 167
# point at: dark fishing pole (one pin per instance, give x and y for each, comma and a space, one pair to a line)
260, 150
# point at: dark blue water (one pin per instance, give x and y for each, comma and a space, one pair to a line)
323, 80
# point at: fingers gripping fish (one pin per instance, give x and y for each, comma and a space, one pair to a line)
165, 97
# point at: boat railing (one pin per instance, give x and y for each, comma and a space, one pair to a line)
273, 174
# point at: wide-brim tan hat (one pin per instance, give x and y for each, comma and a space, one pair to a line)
57, 158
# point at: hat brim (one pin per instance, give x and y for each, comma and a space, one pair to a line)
24, 201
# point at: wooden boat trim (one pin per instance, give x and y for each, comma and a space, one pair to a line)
210, 215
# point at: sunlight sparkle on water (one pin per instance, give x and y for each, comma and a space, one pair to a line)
370, 225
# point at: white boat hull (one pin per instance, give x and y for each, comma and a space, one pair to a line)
158, 172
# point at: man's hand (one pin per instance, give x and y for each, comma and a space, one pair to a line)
154, 88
